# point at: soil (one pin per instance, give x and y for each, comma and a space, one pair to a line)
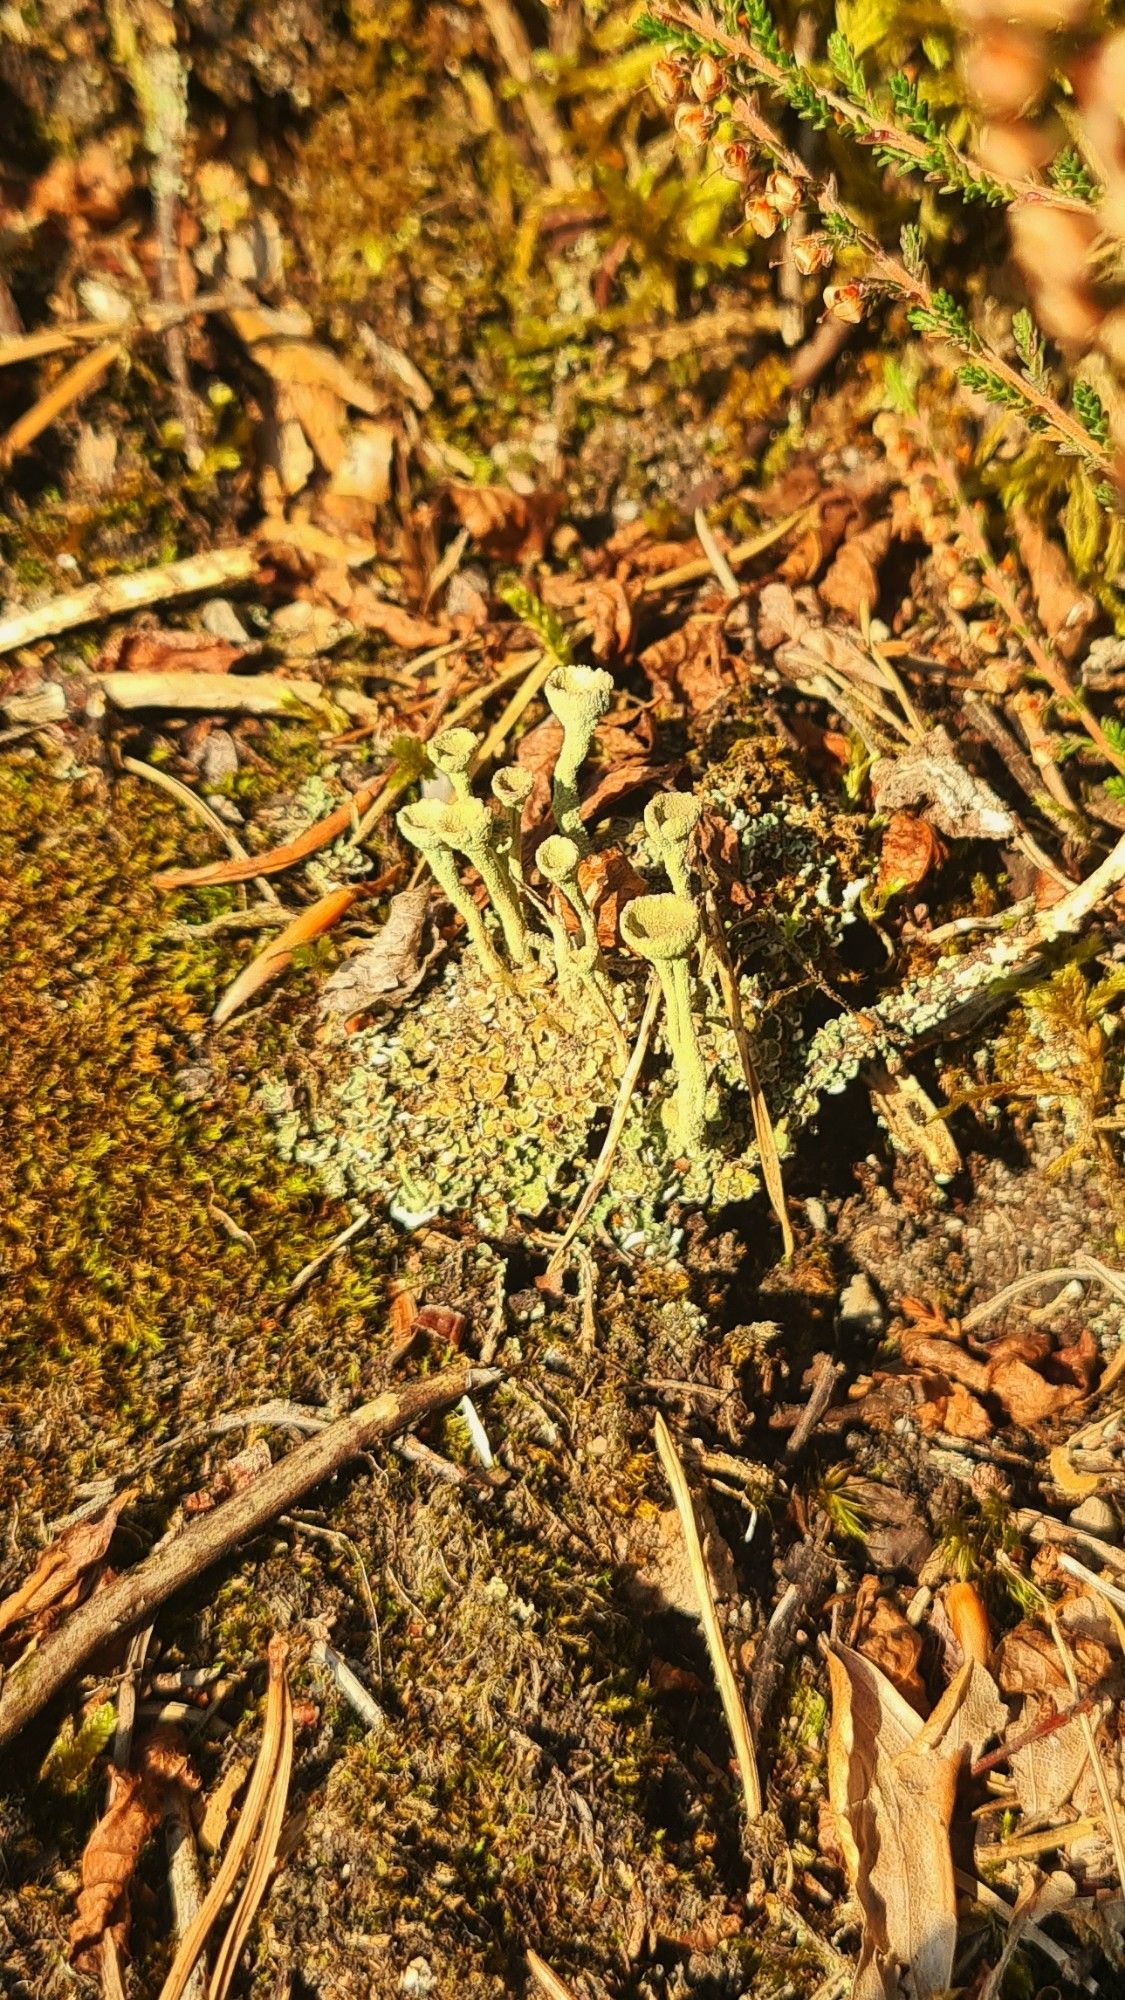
550, 1770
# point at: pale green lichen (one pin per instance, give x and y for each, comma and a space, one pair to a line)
665, 930
670, 822
578, 697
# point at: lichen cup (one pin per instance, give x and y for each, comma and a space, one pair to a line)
665, 930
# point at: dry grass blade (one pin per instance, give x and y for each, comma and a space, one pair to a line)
257, 1797
525, 693
733, 1707
278, 953
70, 386
612, 1140
1097, 1761
194, 803
265, 1853
742, 552
547, 1981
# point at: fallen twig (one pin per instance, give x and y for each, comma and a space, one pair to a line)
185, 1883
733, 1707
128, 593
213, 694
70, 386
133, 1597
259, 1793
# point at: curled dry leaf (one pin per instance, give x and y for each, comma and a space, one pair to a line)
402, 628
611, 618
910, 848
609, 881
61, 1576
111, 1854
503, 523
893, 1529
152, 650
881, 1633
391, 967
851, 584
892, 1802
1066, 613
687, 665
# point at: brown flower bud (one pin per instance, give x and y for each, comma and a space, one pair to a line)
812, 253
845, 302
784, 192
667, 80
693, 123
963, 592
736, 161
762, 216
706, 79
987, 634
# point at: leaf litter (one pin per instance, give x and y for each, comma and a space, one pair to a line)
386, 537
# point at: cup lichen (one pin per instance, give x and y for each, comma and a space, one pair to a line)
452, 752
664, 930
670, 821
512, 786
469, 828
424, 826
578, 697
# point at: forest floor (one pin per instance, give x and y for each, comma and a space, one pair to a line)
479, 381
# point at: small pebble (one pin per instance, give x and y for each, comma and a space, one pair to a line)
859, 1307
1095, 1516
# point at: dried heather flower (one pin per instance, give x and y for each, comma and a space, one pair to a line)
785, 193
812, 253
706, 79
846, 302
762, 216
736, 162
693, 122
667, 80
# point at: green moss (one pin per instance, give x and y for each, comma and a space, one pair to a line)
129, 1138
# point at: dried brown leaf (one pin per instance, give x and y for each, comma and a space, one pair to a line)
61, 1574
111, 1854
909, 849
687, 665
503, 523
402, 628
851, 584
881, 1633
303, 364
953, 1410
892, 1803
609, 881
151, 650
893, 1529
1066, 612
388, 969
611, 617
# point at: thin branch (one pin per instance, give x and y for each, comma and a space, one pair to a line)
879, 130
132, 1598
733, 1706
